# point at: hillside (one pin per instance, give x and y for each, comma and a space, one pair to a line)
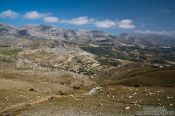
140, 77
45, 70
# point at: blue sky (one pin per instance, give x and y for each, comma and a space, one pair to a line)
113, 16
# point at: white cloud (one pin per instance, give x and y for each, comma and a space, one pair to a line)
78, 21
9, 14
155, 32
105, 24
34, 15
51, 19
126, 24
46, 17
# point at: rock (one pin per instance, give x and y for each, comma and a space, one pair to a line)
130, 97
127, 108
94, 90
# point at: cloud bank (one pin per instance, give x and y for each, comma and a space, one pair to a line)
156, 32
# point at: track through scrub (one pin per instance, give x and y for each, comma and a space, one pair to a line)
23, 105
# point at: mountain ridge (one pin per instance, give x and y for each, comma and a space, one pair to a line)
52, 32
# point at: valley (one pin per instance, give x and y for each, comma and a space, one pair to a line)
47, 71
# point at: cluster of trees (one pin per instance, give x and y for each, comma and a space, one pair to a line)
105, 52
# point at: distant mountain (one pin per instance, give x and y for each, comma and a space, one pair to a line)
147, 39
50, 32
14, 34
7, 30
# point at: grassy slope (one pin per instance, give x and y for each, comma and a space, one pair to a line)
9, 52
138, 76
159, 78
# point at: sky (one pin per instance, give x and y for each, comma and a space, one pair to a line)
112, 16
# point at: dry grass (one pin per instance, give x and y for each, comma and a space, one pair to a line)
158, 78
111, 101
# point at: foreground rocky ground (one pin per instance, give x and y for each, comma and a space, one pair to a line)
46, 93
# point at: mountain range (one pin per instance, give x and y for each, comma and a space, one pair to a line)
11, 34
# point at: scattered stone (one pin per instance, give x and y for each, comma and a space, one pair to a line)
38, 97
108, 96
94, 90
130, 97
138, 105
21, 95
127, 108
